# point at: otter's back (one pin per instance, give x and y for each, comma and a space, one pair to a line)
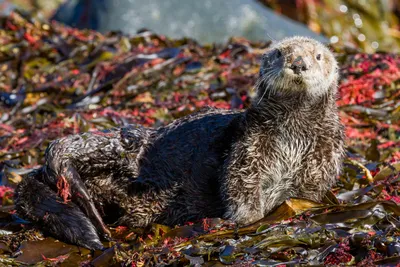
185, 158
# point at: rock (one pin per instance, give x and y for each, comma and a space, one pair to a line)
206, 21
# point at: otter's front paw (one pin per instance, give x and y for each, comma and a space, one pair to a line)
244, 216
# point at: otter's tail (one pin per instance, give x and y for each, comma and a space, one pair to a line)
38, 203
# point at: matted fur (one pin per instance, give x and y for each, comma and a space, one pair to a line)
216, 163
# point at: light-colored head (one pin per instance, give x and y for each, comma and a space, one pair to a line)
297, 65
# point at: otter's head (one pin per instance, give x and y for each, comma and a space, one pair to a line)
297, 65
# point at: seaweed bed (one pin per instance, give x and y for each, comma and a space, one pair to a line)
57, 81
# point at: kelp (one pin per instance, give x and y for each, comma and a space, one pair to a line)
57, 81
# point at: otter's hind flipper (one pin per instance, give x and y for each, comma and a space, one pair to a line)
36, 202
75, 159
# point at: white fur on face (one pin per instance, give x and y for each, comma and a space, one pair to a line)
321, 73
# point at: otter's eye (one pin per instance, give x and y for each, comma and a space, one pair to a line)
319, 57
278, 54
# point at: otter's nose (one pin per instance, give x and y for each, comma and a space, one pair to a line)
298, 65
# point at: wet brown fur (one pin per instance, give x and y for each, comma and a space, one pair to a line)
216, 163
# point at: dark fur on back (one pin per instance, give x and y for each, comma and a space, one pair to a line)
215, 163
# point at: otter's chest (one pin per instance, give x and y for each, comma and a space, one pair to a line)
282, 155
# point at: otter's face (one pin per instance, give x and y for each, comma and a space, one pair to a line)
298, 64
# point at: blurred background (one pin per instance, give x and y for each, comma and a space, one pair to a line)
57, 80
368, 25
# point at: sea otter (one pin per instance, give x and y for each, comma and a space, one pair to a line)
237, 165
